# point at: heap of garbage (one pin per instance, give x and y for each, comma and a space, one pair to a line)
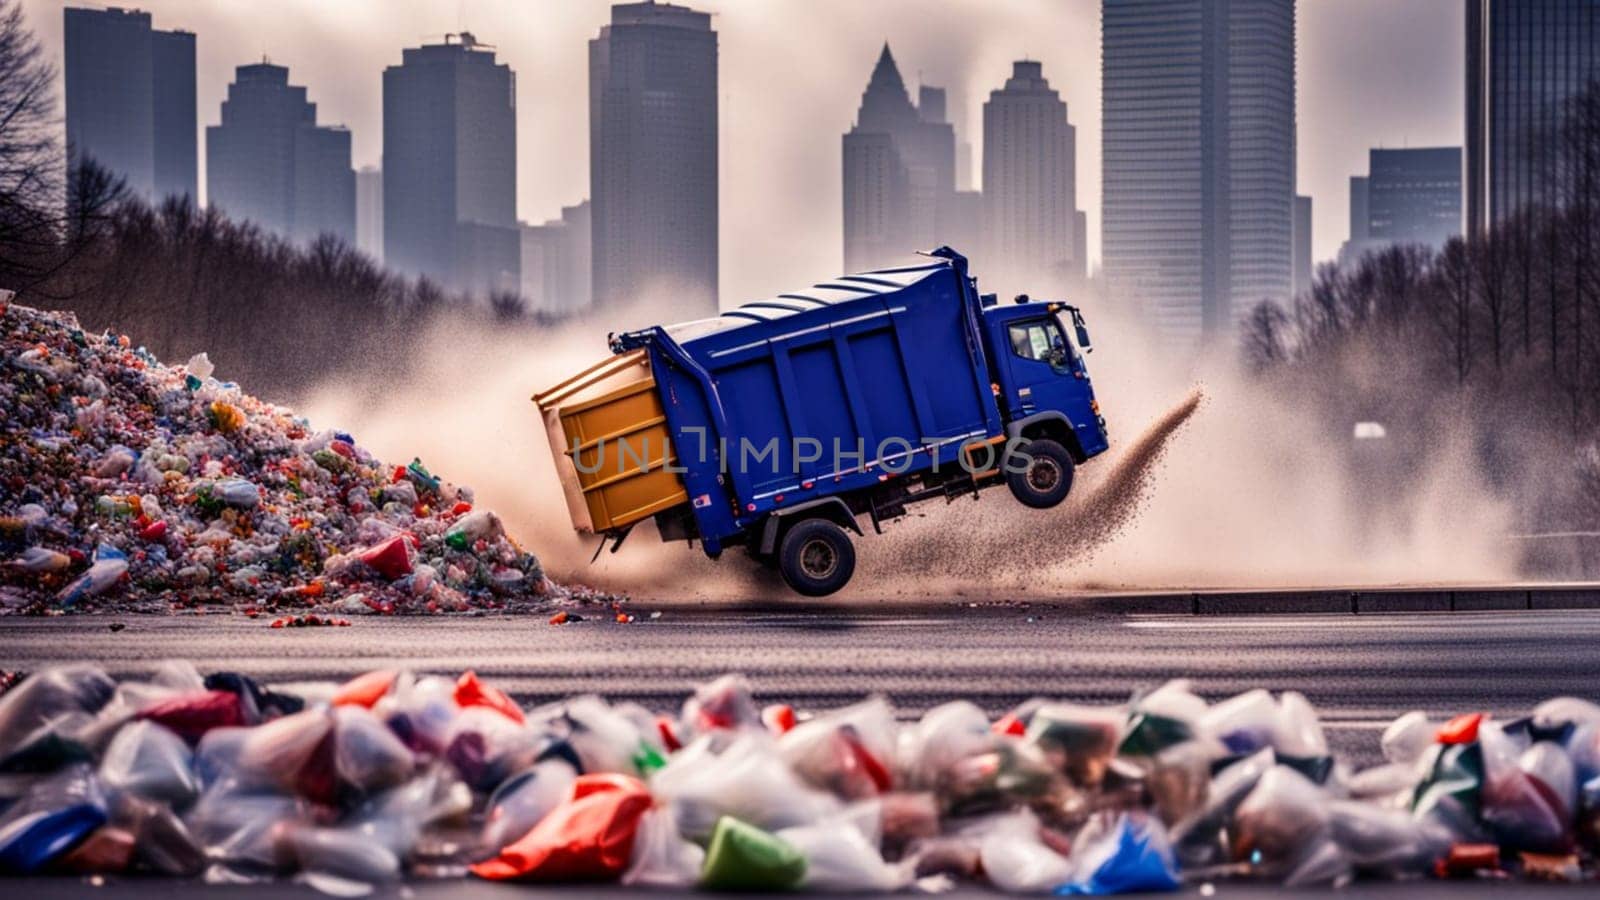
395, 775
146, 487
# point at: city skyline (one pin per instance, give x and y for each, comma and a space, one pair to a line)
788, 167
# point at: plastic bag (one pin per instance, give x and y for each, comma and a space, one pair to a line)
48, 695
661, 857
480, 525
470, 692
162, 842
1121, 854
589, 837
1386, 841
846, 752
150, 761
190, 716
724, 704
747, 781
1197, 836
522, 800
944, 736
608, 741
1518, 806
1408, 738
238, 825
1078, 741
1166, 716
420, 711
1016, 860
1276, 823
839, 857
1449, 793
294, 754
343, 855
1243, 723
742, 857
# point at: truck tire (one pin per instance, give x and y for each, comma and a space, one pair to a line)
1047, 480
816, 557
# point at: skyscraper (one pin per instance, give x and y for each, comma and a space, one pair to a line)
556, 262
450, 166
653, 157
899, 172
369, 211
130, 99
1198, 158
270, 162
1302, 244
1409, 196
1030, 186
1524, 59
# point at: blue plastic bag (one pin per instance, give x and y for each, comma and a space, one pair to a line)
1132, 855
31, 842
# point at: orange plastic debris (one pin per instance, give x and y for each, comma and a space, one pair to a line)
365, 690
470, 691
589, 837
1460, 730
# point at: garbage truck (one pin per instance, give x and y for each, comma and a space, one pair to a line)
781, 426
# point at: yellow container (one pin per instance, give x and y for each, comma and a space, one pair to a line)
608, 435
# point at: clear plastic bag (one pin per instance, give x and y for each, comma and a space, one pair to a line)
944, 736
1408, 738
1016, 861
1519, 812
747, 780
839, 857
1280, 820
367, 755
48, 695
1077, 740
523, 799
150, 761
723, 704
1386, 842
1243, 723
661, 857
847, 752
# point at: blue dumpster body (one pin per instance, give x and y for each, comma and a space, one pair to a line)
835, 392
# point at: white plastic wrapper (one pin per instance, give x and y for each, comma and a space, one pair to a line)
661, 857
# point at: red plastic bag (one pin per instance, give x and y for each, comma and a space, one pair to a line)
589, 837
192, 715
472, 692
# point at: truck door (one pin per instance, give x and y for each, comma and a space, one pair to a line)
1045, 369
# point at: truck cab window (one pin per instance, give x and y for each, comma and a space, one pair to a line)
1042, 340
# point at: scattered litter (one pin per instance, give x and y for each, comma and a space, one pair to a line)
394, 775
129, 485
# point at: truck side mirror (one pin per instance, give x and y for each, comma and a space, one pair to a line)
1083, 332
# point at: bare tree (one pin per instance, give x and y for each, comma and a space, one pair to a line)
30, 154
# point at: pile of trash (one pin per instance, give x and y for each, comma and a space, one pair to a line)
137, 486
395, 775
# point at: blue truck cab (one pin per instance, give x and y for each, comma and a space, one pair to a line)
787, 423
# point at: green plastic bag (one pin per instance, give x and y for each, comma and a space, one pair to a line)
742, 857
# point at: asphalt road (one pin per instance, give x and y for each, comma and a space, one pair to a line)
1360, 671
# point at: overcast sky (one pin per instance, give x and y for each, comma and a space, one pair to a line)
1371, 73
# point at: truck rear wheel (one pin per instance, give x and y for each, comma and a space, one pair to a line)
1047, 479
816, 557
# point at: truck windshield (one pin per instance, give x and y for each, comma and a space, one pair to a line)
1065, 326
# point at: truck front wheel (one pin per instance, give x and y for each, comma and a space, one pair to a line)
816, 557
1048, 476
